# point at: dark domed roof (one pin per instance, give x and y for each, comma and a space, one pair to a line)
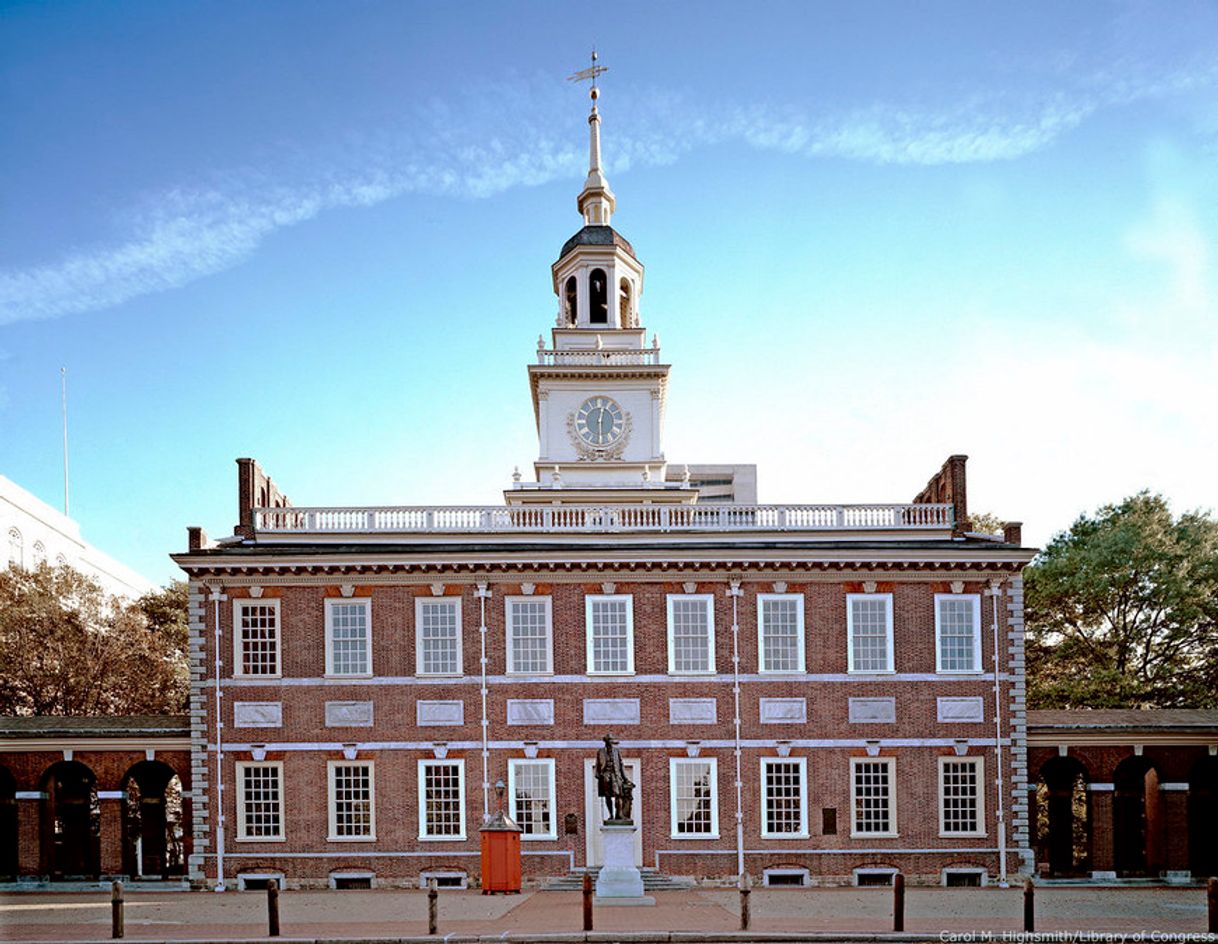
597, 236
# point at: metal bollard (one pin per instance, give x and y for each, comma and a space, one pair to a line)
587, 902
1029, 906
433, 907
746, 915
117, 924
1211, 901
272, 908
898, 902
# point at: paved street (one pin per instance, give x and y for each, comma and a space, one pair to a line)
397, 914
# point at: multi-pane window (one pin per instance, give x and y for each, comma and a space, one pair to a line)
352, 801
437, 636
871, 786
958, 632
693, 787
869, 632
348, 637
441, 799
528, 636
961, 800
610, 626
256, 637
780, 632
531, 786
15, 545
260, 801
784, 797
691, 633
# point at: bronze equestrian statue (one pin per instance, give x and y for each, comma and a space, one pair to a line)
613, 785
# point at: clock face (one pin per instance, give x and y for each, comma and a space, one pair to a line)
599, 421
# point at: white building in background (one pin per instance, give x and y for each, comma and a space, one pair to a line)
34, 533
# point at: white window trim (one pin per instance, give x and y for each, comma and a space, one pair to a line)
980, 764
892, 798
965, 870
879, 870
588, 601
673, 764
850, 598
977, 668
332, 805
419, 603
762, 598
346, 601
709, 600
548, 762
423, 765
238, 662
507, 623
242, 767
803, 797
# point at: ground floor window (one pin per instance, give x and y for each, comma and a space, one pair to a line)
352, 806
873, 812
784, 797
531, 787
960, 797
441, 799
693, 787
260, 801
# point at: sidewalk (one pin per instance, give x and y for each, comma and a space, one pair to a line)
394, 914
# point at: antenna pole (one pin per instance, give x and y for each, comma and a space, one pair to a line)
63, 392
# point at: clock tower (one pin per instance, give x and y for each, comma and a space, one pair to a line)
598, 387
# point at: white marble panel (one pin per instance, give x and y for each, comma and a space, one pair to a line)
440, 713
873, 710
530, 711
784, 710
258, 714
962, 709
611, 711
691, 711
348, 714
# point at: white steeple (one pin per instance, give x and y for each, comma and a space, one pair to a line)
596, 200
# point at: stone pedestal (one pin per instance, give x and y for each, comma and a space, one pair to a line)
619, 877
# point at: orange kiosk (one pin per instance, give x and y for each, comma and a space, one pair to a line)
500, 851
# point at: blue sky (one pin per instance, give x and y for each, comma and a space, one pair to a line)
875, 234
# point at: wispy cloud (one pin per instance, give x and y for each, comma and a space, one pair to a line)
472, 149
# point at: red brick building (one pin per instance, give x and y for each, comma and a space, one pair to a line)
809, 693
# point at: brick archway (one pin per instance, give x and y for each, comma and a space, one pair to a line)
1203, 818
1063, 827
71, 822
1136, 818
8, 825
152, 824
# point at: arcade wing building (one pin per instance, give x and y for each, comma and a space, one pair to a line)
806, 693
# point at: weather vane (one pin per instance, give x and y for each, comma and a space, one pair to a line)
591, 72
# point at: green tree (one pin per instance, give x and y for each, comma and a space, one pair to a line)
1122, 611
68, 648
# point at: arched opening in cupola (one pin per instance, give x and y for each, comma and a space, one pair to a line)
571, 300
625, 302
598, 297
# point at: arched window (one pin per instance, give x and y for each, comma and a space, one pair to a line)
61, 561
625, 307
598, 297
40, 554
571, 300
15, 555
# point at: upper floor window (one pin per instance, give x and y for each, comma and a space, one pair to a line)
610, 628
780, 632
869, 632
256, 637
529, 649
260, 801
352, 801
348, 637
441, 799
961, 798
531, 787
694, 791
958, 632
40, 553
598, 297
784, 797
871, 797
15, 547
691, 633
437, 635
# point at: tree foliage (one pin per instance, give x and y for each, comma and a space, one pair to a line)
68, 648
1122, 611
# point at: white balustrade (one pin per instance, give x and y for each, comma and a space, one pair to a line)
566, 519
648, 356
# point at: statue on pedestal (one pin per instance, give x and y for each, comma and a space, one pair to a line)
613, 785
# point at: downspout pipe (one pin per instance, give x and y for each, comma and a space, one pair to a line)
217, 597
483, 594
995, 592
736, 593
